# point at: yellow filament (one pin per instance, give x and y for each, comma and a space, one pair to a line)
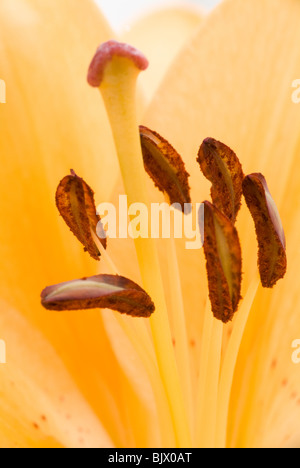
107, 258
229, 364
137, 333
203, 370
118, 90
180, 331
139, 339
210, 360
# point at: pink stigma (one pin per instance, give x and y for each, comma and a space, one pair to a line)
106, 52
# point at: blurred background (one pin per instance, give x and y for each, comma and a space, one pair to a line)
119, 12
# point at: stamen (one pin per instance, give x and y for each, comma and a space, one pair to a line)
101, 291
75, 202
272, 259
165, 167
223, 262
222, 168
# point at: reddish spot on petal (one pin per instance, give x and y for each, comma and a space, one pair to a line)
284, 382
274, 364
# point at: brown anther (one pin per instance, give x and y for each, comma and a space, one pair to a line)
165, 167
223, 262
221, 166
99, 292
75, 202
272, 259
105, 54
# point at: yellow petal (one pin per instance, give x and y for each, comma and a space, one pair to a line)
40, 403
235, 84
50, 124
269, 397
160, 34
226, 85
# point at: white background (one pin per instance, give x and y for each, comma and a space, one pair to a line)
120, 12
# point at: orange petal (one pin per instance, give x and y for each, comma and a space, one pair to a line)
223, 94
50, 123
160, 34
40, 403
229, 86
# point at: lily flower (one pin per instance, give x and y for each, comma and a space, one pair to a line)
174, 375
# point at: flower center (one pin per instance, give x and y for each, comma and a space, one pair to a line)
114, 70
